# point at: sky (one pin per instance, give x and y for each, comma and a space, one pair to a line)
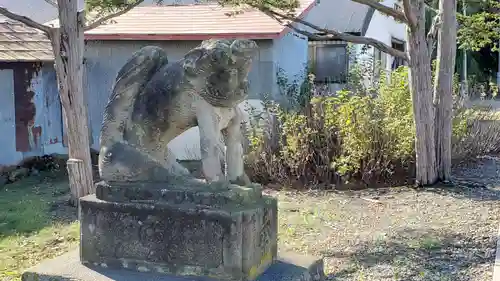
40, 11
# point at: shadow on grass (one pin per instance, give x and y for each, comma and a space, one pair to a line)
33, 203
417, 255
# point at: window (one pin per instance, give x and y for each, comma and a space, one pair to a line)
398, 45
379, 63
397, 7
329, 62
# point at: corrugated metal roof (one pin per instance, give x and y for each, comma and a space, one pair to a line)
19, 42
340, 15
185, 22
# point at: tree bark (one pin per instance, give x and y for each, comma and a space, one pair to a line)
68, 43
68, 47
443, 86
421, 91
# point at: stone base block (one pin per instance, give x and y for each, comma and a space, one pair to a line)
227, 241
289, 267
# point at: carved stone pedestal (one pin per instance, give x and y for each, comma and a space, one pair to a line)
146, 232
225, 233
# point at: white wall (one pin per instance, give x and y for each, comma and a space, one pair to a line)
383, 28
289, 53
187, 145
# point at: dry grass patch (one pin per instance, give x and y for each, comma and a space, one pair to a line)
394, 234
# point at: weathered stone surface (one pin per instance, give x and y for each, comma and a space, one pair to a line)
289, 267
214, 195
153, 101
226, 242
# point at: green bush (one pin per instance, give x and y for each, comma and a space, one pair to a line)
353, 135
363, 134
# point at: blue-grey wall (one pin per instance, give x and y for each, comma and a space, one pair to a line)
7, 119
45, 134
105, 58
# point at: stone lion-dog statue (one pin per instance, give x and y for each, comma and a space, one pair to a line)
153, 101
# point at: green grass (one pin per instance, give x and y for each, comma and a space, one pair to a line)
35, 223
425, 243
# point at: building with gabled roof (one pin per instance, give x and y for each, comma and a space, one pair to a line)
281, 61
28, 94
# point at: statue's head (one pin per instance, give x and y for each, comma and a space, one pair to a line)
225, 64
243, 49
231, 52
221, 53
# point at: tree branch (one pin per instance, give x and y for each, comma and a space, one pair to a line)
332, 34
53, 3
25, 20
397, 15
410, 16
104, 19
433, 31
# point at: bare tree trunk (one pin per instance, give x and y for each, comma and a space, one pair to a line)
68, 42
421, 90
443, 86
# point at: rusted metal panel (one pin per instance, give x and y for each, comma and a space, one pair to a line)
28, 130
38, 107
30, 107
24, 106
35, 131
52, 123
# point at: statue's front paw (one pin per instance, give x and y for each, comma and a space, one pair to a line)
242, 180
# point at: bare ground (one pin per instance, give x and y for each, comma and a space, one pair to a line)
443, 233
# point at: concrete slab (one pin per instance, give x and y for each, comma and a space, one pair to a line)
67, 267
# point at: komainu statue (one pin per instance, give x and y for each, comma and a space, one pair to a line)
153, 101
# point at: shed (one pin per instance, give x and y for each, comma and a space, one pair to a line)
30, 113
179, 28
29, 101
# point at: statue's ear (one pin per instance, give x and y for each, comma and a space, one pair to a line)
191, 61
